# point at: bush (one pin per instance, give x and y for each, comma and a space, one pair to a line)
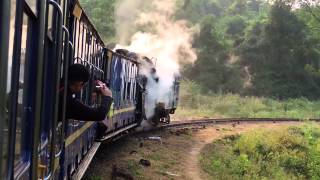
195, 104
285, 153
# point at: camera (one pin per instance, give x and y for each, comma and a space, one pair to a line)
98, 85
97, 88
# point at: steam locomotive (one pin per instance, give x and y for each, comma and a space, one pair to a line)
39, 40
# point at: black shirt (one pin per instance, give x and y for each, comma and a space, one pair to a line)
79, 111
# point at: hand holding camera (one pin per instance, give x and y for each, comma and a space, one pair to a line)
104, 90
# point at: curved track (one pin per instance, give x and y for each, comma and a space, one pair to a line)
204, 122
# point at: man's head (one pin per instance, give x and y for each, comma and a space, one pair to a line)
78, 76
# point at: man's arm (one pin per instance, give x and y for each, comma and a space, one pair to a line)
79, 111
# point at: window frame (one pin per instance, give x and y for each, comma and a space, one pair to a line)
15, 169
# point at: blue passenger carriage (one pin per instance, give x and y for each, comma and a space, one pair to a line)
39, 40
123, 72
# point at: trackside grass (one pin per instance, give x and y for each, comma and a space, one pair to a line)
282, 153
193, 104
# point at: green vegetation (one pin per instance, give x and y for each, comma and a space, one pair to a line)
95, 178
290, 153
194, 104
134, 168
255, 48
101, 12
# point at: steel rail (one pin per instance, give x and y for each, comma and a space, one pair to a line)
209, 121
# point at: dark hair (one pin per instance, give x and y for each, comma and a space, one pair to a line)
78, 72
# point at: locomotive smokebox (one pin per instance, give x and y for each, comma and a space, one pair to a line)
161, 109
159, 113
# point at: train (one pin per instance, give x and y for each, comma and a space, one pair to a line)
40, 39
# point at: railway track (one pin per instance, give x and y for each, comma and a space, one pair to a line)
209, 121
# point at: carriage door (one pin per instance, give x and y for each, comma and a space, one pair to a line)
21, 84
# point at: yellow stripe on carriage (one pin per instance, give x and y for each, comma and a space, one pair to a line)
76, 134
56, 164
123, 110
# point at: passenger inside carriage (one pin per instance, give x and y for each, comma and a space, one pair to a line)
78, 76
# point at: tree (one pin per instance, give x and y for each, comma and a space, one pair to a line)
312, 7
236, 26
278, 52
195, 10
212, 69
101, 12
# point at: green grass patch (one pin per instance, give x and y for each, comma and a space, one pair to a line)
134, 168
282, 153
195, 104
95, 178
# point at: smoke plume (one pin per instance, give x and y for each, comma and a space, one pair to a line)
147, 27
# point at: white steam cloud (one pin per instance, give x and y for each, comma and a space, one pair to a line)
164, 39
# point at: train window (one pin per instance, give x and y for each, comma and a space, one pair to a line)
129, 82
33, 5
95, 54
132, 82
124, 83
89, 38
135, 81
103, 61
63, 7
79, 38
11, 40
21, 93
83, 42
89, 49
75, 37
50, 21
10, 56
129, 90
109, 58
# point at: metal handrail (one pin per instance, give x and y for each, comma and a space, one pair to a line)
39, 82
58, 48
65, 70
88, 63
